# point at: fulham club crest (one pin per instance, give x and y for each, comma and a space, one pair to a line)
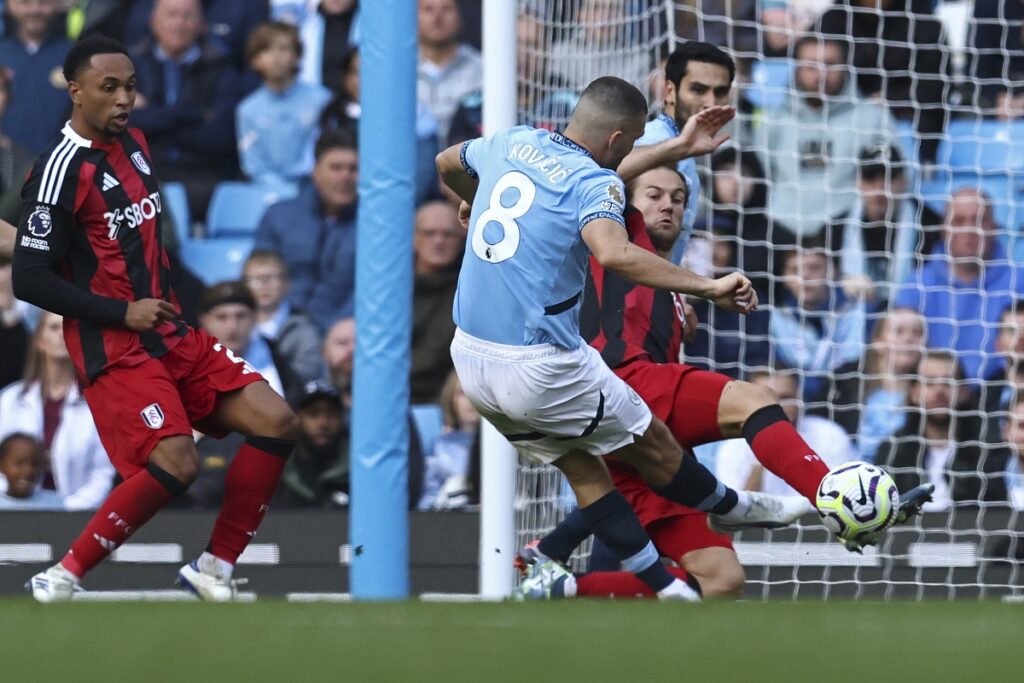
140, 162
153, 416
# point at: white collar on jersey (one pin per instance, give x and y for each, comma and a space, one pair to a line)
70, 133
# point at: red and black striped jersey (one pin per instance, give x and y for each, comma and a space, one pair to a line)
94, 208
625, 321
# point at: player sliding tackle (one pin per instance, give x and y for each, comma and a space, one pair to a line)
639, 333
540, 202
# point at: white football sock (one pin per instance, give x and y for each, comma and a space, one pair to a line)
214, 566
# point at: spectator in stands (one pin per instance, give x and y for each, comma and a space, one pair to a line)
963, 289
187, 92
13, 329
739, 218
548, 108
898, 52
228, 313
879, 240
447, 69
22, 462
292, 335
870, 402
438, 242
33, 55
317, 473
941, 441
809, 146
730, 24
105, 17
279, 123
604, 42
228, 22
736, 465
816, 327
783, 21
49, 406
449, 468
1006, 381
344, 110
15, 161
339, 355
315, 232
995, 58
328, 33
1013, 434
726, 342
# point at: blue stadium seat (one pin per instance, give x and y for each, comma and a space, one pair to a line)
982, 145
216, 260
236, 208
769, 82
176, 200
429, 423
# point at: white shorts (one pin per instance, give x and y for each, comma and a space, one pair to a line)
548, 401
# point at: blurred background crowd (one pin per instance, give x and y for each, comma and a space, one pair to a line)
872, 189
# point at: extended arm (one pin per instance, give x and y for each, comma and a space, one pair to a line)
36, 282
701, 135
455, 175
611, 247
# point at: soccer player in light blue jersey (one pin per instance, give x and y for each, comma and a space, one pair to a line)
698, 76
542, 203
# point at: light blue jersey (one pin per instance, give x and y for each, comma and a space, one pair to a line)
658, 130
526, 263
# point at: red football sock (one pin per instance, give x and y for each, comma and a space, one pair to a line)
618, 584
251, 481
783, 452
128, 507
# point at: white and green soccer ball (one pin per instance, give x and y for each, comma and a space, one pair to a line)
856, 498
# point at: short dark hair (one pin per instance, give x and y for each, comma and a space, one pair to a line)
266, 256
85, 49
336, 138
615, 96
696, 51
943, 355
230, 292
1014, 308
821, 38
5, 445
880, 161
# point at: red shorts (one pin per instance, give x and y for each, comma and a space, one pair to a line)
686, 399
136, 407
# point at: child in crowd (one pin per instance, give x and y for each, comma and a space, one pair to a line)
22, 460
279, 122
449, 473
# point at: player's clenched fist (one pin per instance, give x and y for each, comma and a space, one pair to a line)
734, 292
145, 315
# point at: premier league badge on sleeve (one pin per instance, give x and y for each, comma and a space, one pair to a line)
140, 162
40, 222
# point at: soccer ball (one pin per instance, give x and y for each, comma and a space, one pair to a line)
857, 498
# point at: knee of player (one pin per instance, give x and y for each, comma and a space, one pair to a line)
282, 424
753, 397
726, 581
177, 458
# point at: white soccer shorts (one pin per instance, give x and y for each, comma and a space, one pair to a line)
548, 401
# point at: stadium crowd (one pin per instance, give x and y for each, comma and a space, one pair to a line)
868, 191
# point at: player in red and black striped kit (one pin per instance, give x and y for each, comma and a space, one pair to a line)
88, 248
639, 332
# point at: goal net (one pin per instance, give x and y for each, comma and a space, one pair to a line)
832, 195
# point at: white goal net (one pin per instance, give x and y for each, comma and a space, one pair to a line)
873, 189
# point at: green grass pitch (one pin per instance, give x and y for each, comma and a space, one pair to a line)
567, 641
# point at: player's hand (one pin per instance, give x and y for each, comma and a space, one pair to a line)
734, 292
689, 323
702, 133
465, 208
145, 315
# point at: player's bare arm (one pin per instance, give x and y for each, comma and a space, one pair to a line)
7, 234
454, 175
702, 134
611, 247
